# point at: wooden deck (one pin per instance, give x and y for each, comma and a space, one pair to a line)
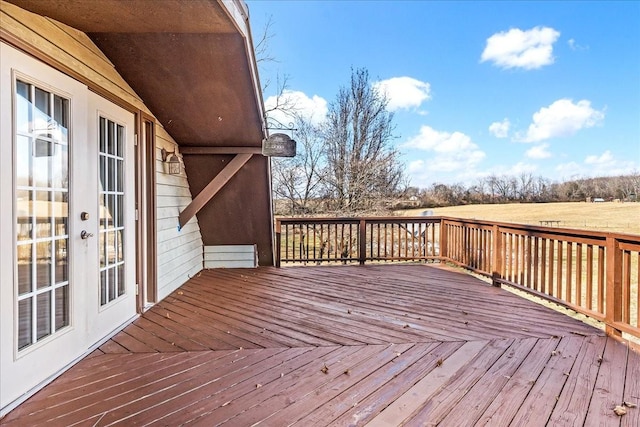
379, 345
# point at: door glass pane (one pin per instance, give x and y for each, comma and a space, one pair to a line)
42, 150
121, 287
119, 179
62, 307
111, 211
111, 174
120, 141
119, 210
44, 212
110, 137
103, 173
23, 158
24, 215
104, 282
44, 314
62, 262
61, 117
25, 315
60, 167
112, 284
41, 219
25, 268
43, 264
112, 261
23, 106
60, 213
41, 115
103, 135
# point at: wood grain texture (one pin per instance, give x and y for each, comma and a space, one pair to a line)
345, 346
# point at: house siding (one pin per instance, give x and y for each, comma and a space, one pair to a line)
179, 253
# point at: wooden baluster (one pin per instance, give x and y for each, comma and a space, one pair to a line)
589, 296
613, 312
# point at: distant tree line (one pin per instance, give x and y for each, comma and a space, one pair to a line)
523, 188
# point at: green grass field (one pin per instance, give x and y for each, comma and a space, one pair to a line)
606, 216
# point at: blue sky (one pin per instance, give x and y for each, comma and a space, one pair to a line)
477, 88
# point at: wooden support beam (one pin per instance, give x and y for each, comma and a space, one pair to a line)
220, 150
213, 187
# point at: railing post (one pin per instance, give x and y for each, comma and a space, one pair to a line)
278, 244
362, 238
613, 283
496, 256
444, 236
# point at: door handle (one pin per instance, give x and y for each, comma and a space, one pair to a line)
84, 235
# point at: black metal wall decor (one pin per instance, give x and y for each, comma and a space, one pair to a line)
279, 145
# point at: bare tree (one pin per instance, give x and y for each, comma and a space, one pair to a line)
362, 166
525, 186
502, 187
297, 180
262, 49
633, 186
294, 180
263, 57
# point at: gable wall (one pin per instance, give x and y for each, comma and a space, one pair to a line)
180, 253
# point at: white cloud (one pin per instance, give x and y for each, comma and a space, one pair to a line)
452, 151
519, 168
500, 129
515, 48
605, 159
539, 152
297, 103
404, 92
604, 164
416, 166
568, 170
508, 170
560, 119
575, 46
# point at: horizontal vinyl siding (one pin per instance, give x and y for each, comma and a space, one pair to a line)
179, 252
186, 264
230, 256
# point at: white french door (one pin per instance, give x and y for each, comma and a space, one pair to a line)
111, 236
68, 172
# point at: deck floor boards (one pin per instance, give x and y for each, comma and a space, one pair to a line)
632, 389
380, 345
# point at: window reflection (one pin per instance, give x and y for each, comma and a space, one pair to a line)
41, 191
111, 164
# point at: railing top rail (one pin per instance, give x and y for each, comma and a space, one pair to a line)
395, 219
559, 231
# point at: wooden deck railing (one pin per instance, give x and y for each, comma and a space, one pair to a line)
594, 273
330, 240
